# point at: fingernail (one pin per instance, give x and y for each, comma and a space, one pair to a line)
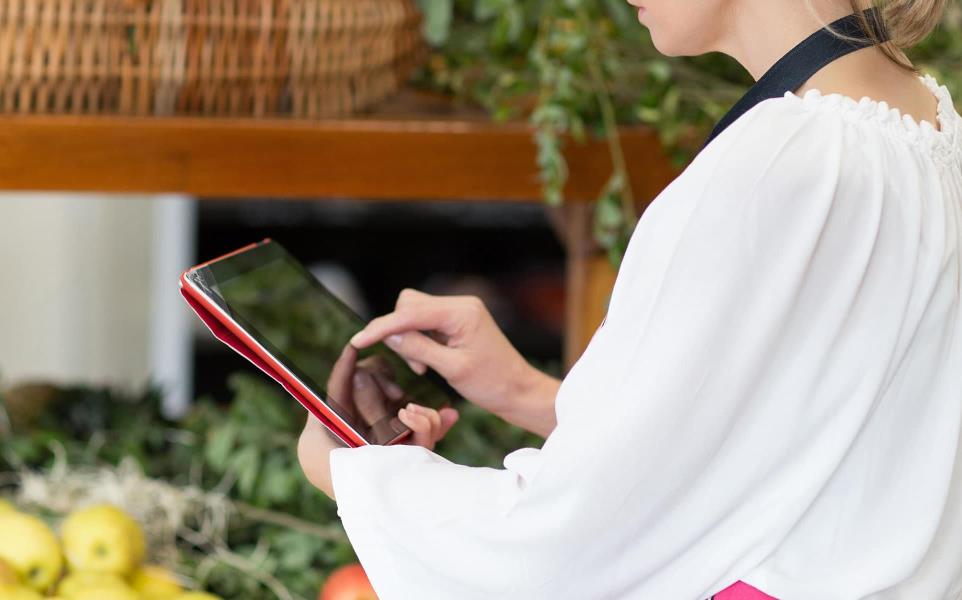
394, 391
393, 341
356, 337
361, 379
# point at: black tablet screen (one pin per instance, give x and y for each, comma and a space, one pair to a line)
279, 303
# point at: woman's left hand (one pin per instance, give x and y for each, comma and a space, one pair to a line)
363, 391
316, 442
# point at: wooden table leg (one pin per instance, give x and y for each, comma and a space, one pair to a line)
590, 277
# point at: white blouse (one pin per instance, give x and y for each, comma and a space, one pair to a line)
775, 395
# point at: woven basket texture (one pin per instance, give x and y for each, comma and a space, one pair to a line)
257, 58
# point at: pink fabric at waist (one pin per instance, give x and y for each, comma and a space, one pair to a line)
742, 591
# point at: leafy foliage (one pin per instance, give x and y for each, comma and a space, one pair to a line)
579, 67
246, 449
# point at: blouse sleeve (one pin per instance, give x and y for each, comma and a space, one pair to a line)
736, 364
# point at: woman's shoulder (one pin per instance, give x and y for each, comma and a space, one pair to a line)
813, 123
786, 155
793, 147
789, 133
782, 143
782, 147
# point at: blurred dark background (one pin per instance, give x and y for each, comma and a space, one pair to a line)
367, 252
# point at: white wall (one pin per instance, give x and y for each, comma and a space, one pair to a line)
84, 290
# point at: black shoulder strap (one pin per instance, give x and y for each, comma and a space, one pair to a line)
804, 60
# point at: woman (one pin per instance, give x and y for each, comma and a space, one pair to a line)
773, 403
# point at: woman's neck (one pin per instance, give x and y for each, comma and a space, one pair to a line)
762, 31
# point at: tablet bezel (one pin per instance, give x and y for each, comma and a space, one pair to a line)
212, 305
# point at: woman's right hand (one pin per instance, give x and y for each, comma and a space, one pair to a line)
466, 347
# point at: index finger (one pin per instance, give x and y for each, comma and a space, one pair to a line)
428, 313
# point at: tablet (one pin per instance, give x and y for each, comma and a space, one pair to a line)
268, 307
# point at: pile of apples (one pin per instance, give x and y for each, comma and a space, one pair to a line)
99, 556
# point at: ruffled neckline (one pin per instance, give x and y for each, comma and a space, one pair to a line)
943, 142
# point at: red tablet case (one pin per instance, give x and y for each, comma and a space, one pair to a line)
242, 343
225, 335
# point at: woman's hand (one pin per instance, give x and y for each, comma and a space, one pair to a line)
469, 350
364, 393
427, 425
316, 441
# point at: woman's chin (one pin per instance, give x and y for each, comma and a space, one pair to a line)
671, 46
664, 46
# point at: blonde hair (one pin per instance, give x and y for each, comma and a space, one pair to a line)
907, 23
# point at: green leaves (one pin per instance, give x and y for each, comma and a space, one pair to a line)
506, 17
280, 480
621, 13
437, 20
611, 230
553, 168
254, 443
300, 550
220, 444
245, 464
608, 215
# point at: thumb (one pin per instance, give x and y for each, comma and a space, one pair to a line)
367, 398
449, 416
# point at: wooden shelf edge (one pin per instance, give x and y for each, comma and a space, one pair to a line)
362, 158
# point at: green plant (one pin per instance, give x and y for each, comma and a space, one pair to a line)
222, 486
579, 67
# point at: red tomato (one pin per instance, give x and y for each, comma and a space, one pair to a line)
348, 583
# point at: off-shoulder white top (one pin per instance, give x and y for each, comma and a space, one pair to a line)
775, 395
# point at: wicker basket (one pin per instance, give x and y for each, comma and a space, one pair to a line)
299, 58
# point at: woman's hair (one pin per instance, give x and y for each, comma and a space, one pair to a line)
907, 23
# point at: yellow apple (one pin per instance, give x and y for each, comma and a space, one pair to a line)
74, 583
15, 592
106, 593
8, 575
6, 507
31, 548
196, 596
104, 539
155, 583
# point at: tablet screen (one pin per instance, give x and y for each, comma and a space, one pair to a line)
293, 316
